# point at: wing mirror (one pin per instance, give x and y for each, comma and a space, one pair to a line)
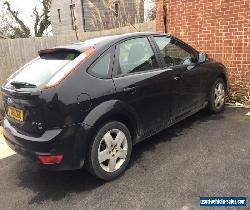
202, 57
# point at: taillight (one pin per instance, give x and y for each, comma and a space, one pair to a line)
66, 70
50, 159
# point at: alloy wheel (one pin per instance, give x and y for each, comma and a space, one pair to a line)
113, 150
219, 95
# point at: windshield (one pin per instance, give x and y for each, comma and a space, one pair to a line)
43, 68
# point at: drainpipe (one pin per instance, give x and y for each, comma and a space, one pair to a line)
74, 21
165, 19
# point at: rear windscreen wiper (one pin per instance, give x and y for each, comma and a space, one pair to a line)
17, 84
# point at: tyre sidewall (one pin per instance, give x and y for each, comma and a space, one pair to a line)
94, 165
212, 106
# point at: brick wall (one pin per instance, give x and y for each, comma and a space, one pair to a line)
219, 27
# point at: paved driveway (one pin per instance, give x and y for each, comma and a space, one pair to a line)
205, 155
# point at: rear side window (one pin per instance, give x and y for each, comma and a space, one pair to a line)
136, 55
44, 67
101, 67
172, 53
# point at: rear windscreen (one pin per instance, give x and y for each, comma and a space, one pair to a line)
43, 68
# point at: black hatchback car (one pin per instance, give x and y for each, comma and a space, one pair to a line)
88, 103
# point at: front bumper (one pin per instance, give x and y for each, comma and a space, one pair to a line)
68, 141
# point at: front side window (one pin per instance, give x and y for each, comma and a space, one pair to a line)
172, 53
101, 67
136, 55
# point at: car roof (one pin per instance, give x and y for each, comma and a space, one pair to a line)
102, 41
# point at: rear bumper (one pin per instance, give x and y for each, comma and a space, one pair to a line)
68, 141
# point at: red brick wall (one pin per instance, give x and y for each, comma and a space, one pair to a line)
219, 27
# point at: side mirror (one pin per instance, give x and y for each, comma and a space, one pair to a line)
202, 57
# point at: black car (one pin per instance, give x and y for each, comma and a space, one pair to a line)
88, 103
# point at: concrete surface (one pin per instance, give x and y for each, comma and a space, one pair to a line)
205, 155
5, 151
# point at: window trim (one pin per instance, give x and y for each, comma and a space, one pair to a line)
117, 52
179, 43
117, 9
110, 50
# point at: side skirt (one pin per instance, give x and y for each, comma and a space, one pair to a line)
172, 121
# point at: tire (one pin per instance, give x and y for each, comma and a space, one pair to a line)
217, 96
110, 151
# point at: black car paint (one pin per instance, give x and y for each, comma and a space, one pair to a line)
147, 102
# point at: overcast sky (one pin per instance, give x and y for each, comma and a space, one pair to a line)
25, 8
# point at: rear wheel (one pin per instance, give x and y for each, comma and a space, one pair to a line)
217, 96
110, 151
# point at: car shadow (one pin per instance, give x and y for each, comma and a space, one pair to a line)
53, 186
170, 133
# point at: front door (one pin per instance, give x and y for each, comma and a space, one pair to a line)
139, 83
186, 76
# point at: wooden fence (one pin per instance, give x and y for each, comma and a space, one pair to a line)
14, 53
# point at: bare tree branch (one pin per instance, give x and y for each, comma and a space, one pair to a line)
22, 31
37, 20
13, 27
44, 22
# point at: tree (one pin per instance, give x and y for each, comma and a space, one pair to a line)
12, 26
42, 22
151, 13
20, 29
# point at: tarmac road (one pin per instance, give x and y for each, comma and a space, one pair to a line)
205, 155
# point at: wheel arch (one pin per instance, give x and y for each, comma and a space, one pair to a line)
114, 110
223, 76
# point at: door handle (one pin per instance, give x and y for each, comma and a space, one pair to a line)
178, 77
130, 89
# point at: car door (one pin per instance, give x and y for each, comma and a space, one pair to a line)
139, 84
186, 81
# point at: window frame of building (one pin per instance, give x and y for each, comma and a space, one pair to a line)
117, 9
59, 15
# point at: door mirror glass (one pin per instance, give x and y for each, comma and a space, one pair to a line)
202, 57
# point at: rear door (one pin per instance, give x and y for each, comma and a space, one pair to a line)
186, 81
140, 83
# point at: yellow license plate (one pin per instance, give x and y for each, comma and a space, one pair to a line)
15, 113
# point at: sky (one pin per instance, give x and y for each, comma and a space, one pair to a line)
25, 8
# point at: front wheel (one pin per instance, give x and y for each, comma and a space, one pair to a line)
110, 151
217, 96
